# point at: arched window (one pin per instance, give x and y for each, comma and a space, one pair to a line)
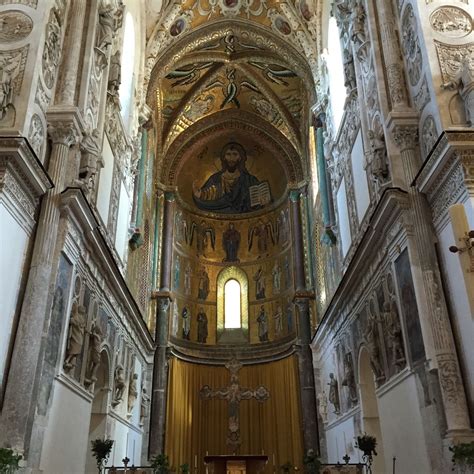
232, 314
232, 306
337, 89
127, 69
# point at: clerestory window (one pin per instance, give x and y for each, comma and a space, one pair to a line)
232, 312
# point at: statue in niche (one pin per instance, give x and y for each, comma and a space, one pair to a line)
372, 344
10, 66
95, 342
177, 271
231, 243
107, 25
75, 341
262, 325
349, 71
187, 279
263, 233
259, 279
323, 406
119, 385
334, 394
203, 285
186, 316
144, 402
464, 83
204, 235
278, 317
378, 151
115, 71
276, 277
232, 189
132, 393
202, 326
357, 21
394, 334
349, 378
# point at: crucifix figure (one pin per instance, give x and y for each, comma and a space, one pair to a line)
234, 393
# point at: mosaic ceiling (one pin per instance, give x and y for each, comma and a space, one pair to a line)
209, 56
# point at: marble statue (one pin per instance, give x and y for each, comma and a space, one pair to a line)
132, 392
334, 394
349, 378
323, 406
372, 344
119, 385
77, 324
115, 68
95, 342
144, 402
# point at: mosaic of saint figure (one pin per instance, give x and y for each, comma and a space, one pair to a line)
232, 189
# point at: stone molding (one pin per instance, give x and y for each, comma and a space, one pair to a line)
65, 125
22, 180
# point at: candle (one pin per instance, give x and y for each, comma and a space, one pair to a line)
126, 446
195, 461
273, 456
345, 444
133, 453
337, 451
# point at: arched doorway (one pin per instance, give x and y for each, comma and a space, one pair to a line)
100, 408
370, 411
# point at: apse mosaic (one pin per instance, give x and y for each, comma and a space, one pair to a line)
231, 176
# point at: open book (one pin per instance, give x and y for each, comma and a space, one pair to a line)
260, 194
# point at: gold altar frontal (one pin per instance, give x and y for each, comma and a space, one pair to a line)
235, 464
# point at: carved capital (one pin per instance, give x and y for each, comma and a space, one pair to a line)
405, 136
467, 162
65, 125
163, 304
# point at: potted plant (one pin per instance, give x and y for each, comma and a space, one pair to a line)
463, 454
160, 464
101, 451
9, 461
184, 468
287, 467
312, 465
367, 444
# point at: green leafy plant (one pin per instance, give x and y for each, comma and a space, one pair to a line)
9, 461
311, 462
463, 454
184, 468
160, 464
287, 467
101, 451
367, 444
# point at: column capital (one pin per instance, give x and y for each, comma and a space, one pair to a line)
65, 125
403, 126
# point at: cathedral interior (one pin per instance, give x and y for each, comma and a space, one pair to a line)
243, 231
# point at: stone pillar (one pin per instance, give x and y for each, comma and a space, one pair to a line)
72, 45
298, 248
435, 322
22, 386
306, 375
160, 379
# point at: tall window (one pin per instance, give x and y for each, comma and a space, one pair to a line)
232, 304
337, 89
127, 69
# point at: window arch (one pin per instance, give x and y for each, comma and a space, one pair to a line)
232, 305
335, 65
127, 69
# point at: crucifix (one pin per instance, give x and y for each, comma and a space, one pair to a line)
234, 393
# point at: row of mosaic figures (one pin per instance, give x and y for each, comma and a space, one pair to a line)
379, 330
261, 320
259, 277
261, 236
85, 341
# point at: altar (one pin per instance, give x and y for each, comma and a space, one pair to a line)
235, 464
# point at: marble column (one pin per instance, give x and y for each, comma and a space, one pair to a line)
306, 375
436, 325
160, 368
160, 379
298, 248
21, 391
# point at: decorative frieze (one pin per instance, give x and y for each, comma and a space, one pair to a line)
451, 21
16, 26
